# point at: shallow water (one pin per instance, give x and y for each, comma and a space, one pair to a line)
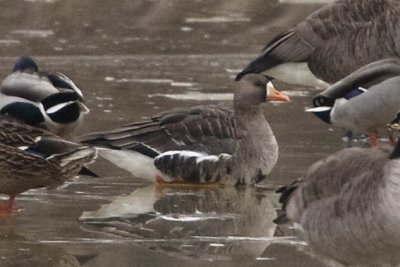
133, 59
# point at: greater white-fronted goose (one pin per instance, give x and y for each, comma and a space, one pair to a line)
42, 99
335, 40
345, 105
32, 157
200, 144
347, 205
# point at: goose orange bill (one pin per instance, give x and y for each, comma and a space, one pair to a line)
275, 95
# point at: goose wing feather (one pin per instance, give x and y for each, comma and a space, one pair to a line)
205, 128
333, 177
340, 30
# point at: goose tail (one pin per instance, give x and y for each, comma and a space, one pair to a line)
285, 195
286, 47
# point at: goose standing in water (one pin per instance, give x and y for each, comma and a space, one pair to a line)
363, 111
348, 205
200, 144
334, 41
42, 99
32, 157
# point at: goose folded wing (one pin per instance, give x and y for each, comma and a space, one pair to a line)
332, 176
209, 129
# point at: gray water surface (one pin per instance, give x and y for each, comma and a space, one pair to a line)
133, 59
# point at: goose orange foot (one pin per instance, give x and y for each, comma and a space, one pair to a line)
373, 138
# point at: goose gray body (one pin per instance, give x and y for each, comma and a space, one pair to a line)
200, 144
42, 99
337, 39
348, 206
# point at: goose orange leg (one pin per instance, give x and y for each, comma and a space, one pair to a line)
373, 138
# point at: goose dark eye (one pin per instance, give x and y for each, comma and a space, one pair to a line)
260, 84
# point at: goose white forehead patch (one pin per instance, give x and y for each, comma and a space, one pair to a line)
269, 87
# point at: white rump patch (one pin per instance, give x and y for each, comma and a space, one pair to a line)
299, 74
134, 162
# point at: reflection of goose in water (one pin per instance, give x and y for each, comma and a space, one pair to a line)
15, 250
208, 223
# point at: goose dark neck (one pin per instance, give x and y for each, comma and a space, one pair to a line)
372, 73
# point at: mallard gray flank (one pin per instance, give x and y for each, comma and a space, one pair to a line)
200, 144
31, 157
348, 203
42, 99
363, 111
335, 40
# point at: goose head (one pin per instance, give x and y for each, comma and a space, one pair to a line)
255, 89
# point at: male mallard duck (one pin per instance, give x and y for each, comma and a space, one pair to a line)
200, 144
47, 100
334, 41
345, 105
31, 157
348, 203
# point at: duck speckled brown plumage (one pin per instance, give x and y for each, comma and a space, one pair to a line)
31, 157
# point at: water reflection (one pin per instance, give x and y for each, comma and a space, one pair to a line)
207, 223
16, 250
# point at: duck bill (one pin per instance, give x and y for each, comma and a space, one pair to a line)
275, 95
395, 124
